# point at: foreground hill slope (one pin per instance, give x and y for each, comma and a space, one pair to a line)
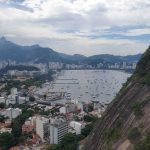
125, 124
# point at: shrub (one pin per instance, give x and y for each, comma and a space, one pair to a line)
146, 79
134, 135
2, 105
112, 134
31, 99
137, 109
86, 131
90, 118
69, 142
7, 140
144, 144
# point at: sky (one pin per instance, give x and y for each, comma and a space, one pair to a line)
88, 27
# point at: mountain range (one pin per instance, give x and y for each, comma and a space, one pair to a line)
38, 54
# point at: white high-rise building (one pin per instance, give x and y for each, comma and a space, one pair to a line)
124, 65
42, 127
14, 91
58, 128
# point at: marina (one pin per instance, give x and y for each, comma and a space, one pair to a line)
84, 85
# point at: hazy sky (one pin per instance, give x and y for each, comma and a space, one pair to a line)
87, 27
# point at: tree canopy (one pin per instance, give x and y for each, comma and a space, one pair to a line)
7, 140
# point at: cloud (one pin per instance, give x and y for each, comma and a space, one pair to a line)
137, 32
15, 4
79, 26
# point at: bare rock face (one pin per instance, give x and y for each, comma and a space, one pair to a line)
126, 121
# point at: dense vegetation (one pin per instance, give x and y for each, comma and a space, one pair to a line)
19, 68
143, 69
140, 143
134, 135
31, 98
143, 144
19, 121
69, 142
143, 65
90, 118
8, 140
2, 105
113, 134
137, 109
36, 80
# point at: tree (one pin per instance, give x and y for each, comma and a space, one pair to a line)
86, 131
53, 147
46, 113
137, 109
17, 128
90, 118
45, 96
31, 99
80, 137
7, 140
134, 135
143, 144
2, 105
2, 118
19, 121
69, 142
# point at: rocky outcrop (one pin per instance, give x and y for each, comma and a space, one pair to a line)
129, 111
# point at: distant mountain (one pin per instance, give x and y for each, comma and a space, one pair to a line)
113, 59
34, 53
37, 54
132, 58
76, 58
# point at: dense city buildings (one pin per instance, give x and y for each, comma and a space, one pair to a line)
43, 67
30, 106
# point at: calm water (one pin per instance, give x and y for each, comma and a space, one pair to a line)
87, 85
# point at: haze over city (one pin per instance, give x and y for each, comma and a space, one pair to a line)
87, 27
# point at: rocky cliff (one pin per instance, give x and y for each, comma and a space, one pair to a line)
125, 125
